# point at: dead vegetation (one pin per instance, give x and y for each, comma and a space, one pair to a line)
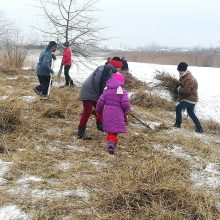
134, 83
80, 180
166, 82
10, 114
148, 100
8, 70
211, 126
197, 57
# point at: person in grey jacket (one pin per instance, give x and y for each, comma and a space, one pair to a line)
44, 69
92, 89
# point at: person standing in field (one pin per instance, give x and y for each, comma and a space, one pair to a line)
189, 97
67, 62
115, 105
44, 69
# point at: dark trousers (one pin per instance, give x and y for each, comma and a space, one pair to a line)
190, 110
88, 106
68, 79
44, 84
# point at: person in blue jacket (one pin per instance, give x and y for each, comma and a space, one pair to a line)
44, 69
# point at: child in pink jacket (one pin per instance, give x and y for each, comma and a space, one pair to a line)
115, 105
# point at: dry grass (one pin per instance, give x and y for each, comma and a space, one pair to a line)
147, 100
10, 114
211, 126
139, 182
8, 70
154, 188
204, 58
169, 83
134, 83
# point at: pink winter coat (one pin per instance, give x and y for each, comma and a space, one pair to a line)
115, 105
67, 56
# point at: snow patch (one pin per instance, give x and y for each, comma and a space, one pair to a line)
200, 176
79, 192
28, 98
64, 166
151, 124
28, 179
4, 167
208, 177
98, 164
12, 78
174, 150
48, 194
3, 97
12, 212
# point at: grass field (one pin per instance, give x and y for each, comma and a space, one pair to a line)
159, 174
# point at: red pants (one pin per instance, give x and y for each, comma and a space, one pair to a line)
112, 137
88, 106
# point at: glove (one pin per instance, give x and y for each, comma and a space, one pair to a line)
94, 112
54, 56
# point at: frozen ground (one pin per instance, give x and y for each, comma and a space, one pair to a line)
202, 176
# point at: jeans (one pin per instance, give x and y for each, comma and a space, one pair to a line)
190, 110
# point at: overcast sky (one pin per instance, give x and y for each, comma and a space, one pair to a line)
133, 23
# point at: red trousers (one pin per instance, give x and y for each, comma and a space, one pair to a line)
112, 137
88, 106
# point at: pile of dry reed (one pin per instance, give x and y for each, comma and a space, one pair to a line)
133, 83
10, 114
168, 83
147, 100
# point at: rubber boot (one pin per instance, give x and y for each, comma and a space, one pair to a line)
81, 133
67, 84
177, 125
71, 83
99, 126
199, 130
111, 147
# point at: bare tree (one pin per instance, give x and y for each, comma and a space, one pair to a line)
70, 20
5, 27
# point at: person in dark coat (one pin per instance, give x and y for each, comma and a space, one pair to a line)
44, 69
189, 97
91, 90
116, 105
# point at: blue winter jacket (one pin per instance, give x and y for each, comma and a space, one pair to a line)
44, 64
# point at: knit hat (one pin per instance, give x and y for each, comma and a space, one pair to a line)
182, 67
116, 62
52, 44
119, 77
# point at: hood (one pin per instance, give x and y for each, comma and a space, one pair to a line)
114, 83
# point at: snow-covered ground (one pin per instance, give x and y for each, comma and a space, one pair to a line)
208, 79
